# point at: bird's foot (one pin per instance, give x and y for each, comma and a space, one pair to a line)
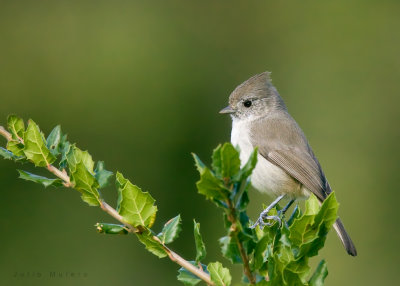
269, 218
266, 220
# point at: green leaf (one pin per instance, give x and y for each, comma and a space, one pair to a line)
39, 179
35, 146
219, 275
200, 246
135, 206
230, 250
54, 140
16, 126
260, 255
248, 168
170, 230
319, 275
9, 155
187, 277
151, 245
209, 185
110, 228
303, 238
80, 165
64, 150
217, 161
295, 215
198, 163
226, 162
102, 175
16, 148
308, 233
299, 227
243, 199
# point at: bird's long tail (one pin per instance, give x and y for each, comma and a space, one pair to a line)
345, 238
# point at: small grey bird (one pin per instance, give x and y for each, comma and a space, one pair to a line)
287, 166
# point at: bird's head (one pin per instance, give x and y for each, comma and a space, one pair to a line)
254, 98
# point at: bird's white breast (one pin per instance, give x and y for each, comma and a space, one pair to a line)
266, 177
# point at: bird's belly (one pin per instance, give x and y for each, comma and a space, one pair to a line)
271, 179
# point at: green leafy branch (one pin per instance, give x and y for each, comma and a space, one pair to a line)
276, 255
135, 208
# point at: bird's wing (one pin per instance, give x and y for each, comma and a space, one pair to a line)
300, 167
283, 143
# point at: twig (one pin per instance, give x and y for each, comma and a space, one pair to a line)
186, 264
243, 254
5, 133
62, 175
171, 254
112, 212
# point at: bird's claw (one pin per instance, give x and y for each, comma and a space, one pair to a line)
263, 217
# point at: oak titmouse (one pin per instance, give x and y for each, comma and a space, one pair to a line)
287, 166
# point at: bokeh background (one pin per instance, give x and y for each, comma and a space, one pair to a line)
140, 83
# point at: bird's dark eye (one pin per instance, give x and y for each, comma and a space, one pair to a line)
247, 103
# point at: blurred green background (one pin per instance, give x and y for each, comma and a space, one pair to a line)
140, 84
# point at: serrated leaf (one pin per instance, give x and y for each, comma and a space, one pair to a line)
200, 246
16, 126
54, 140
209, 185
248, 168
217, 161
16, 148
64, 150
328, 211
295, 215
9, 155
35, 146
315, 237
151, 245
110, 228
219, 275
308, 233
198, 163
243, 200
319, 275
76, 155
102, 175
134, 205
300, 225
170, 230
80, 165
226, 162
189, 278
230, 160
39, 179
260, 255
230, 250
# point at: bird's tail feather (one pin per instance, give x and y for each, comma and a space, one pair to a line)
345, 238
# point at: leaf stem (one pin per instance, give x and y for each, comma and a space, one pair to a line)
112, 212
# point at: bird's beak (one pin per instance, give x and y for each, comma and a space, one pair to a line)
227, 110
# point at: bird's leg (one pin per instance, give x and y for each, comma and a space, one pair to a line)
264, 215
284, 210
